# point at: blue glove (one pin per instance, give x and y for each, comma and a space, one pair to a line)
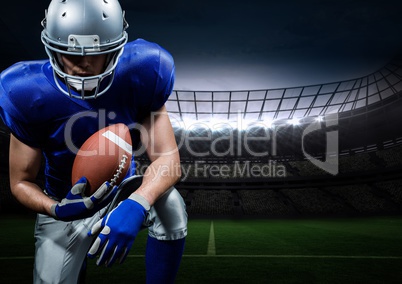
119, 230
78, 206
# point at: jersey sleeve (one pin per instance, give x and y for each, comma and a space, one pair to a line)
151, 72
165, 80
28, 134
13, 105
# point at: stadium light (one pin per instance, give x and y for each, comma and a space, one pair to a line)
319, 118
294, 121
268, 123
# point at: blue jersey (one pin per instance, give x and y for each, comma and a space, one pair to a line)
41, 116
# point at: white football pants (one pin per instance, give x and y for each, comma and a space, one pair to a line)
61, 247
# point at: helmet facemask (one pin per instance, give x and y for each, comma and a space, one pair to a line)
59, 41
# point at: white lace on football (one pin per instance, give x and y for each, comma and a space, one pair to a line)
116, 176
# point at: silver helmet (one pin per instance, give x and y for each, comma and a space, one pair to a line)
84, 27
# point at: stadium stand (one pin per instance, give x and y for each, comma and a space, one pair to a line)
313, 201
264, 203
255, 153
211, 202
363, 199
393, 188
392, 157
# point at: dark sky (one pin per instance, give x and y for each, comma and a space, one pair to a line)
232, 45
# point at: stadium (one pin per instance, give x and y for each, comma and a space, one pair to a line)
296, 183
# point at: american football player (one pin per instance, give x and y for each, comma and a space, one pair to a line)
93, 78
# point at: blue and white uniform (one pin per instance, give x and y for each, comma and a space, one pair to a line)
37, 112
41, 116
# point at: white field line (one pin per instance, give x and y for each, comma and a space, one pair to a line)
295, 256
249, 256
211, 241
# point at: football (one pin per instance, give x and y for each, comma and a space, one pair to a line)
105, 156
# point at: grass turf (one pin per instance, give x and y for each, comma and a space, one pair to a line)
360, 250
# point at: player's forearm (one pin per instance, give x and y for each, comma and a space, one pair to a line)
164, 171
31, 196
161, 175
25, 162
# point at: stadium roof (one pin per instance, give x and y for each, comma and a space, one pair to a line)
286, 104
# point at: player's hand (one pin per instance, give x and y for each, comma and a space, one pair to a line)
78, 206
118, 230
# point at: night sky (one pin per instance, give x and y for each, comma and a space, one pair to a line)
242, 45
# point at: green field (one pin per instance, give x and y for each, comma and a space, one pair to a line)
361, 250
